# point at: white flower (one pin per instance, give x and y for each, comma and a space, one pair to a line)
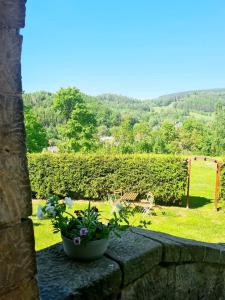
50, 210
117, 207
69, 202
40, 214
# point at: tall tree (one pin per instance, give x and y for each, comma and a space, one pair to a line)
66, 100
78, 129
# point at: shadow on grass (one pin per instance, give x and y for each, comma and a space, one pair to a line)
36, 224
196, 202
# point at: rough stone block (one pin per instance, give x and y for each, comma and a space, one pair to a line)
12, 13
26, 291
156, 284
15, 194
171, 249
198, 281
11, 124
135, 254
10, 67
17, 257
195, 251
15, 197
222, 253
180, 250
213, 254
60, 277
174, 282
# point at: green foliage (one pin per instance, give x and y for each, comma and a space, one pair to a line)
123, 135
219, 130
182, 123
41, 103
195, 137
36, 137
78, 129
66, 100
94, 177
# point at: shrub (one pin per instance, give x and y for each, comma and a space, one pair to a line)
94, 176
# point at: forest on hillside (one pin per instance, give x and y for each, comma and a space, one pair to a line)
71, 121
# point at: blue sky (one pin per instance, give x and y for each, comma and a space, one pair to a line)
138, 48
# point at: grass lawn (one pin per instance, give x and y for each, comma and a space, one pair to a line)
200, 222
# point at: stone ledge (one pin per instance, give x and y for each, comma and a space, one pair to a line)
141, 265
180, 250
135, 254
60, 277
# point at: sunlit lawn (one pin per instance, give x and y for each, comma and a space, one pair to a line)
200, 222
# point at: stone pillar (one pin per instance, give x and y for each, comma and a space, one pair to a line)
17, 256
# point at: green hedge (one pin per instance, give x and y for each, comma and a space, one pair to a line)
93, 177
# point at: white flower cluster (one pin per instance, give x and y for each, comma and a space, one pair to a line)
116, 208
50, 210
50, 207
40, 214
69, 202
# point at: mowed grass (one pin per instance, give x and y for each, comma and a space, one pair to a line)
200, 222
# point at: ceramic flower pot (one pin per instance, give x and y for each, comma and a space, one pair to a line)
85, 251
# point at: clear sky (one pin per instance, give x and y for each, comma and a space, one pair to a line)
139, 48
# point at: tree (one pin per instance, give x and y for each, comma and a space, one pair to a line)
195, 137
219, 130
164, 138
78, 130
123, 135
36, 137
143, 137
66, 100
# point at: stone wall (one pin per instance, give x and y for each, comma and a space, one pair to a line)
17, 258
142, 265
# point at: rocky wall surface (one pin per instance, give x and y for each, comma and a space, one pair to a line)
17, 256
141, 265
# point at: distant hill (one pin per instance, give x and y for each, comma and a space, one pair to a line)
124, 103
110, 109
200, 100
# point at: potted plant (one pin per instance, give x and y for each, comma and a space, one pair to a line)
84, 233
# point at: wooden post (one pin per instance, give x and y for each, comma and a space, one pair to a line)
188, 183
217, 186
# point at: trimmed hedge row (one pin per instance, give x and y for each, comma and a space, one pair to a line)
94, 177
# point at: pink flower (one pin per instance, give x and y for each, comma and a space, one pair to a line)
76, 241
83, 231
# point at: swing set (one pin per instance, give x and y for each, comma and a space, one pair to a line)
217, 185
